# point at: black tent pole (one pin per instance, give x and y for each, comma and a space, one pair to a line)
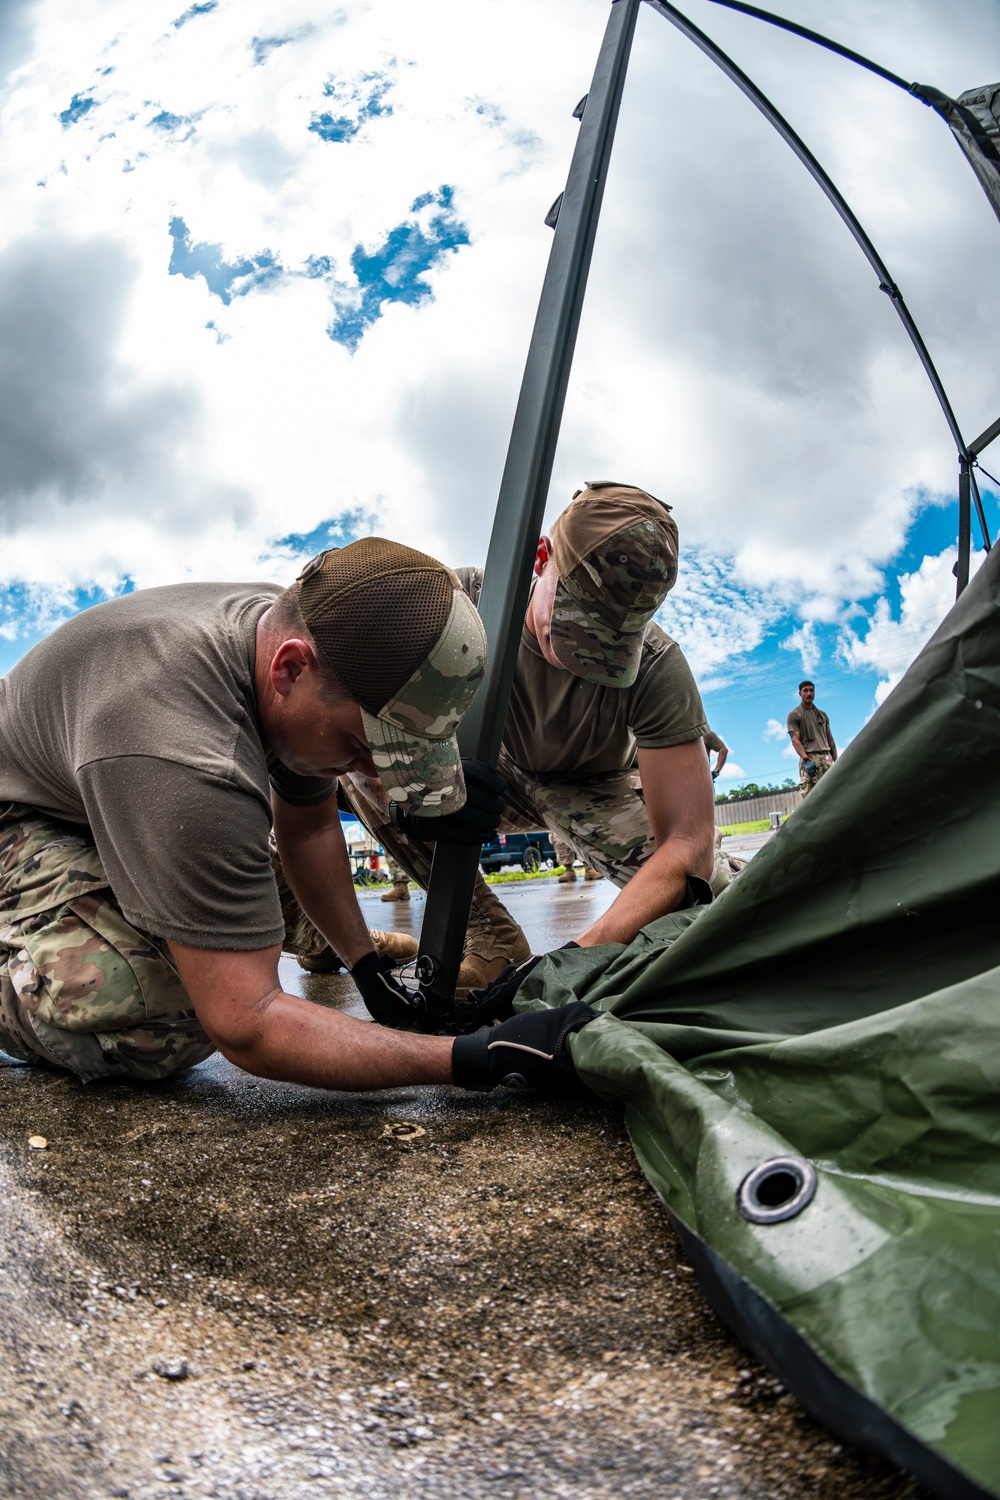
823, 41
964, 525
524, 486
886, 283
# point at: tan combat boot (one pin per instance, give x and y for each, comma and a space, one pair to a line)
493, 941
400, 947
589, 873
399, 892
568, 876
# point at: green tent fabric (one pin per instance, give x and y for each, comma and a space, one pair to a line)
974, 118
840, 1004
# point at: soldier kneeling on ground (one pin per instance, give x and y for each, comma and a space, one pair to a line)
146, 748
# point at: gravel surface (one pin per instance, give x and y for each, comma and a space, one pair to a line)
228, 1287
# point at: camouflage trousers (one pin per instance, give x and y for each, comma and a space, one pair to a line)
80, 987
822, 760
602, 818
564, 854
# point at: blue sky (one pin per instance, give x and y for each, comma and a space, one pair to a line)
264, 283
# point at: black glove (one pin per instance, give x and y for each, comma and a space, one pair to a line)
389, 1001
527, 1051
715, 775
697, 892
495, 1001
473, 824
809, 766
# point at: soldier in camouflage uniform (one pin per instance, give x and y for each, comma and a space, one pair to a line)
603, 743
80, 986
145, 747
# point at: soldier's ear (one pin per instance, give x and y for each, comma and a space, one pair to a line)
543, 554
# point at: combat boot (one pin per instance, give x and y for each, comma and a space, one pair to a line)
399, 892
568, 876
493, 941
400, 947
589, 873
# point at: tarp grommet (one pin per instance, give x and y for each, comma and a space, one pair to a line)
776, 1189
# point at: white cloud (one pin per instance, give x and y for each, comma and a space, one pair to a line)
804, 641
732, 772
713, 617
735, 354
889, 644
777, 731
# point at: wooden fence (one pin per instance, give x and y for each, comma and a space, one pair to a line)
755, 808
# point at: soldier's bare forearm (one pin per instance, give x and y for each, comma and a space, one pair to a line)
258, 1027
304, 1043
314, 860
658, 888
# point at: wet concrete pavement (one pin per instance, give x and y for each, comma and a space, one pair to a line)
228, 1287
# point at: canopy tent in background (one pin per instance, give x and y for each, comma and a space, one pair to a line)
839, 1007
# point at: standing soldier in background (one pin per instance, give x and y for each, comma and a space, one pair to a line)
566, 856
400, 886
812, 739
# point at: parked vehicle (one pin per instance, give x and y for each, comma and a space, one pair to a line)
529, 850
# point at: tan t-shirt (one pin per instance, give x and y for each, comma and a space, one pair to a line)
559, 725
138, 718
813, 729
714, 743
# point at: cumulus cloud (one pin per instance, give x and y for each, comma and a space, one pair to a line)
735, 358
775, 730
103, 475
806, 643
890, 642
732, 772
715, 620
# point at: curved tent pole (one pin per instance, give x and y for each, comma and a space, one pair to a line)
886, 284
823, 41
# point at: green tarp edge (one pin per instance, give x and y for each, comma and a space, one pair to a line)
841, 1003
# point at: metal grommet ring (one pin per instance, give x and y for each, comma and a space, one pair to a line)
777, 1189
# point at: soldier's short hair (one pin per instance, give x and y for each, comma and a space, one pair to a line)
807, 683
286, 619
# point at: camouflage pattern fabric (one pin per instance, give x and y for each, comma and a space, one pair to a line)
615, 548
412, 739
602, 817
80, 987
565, 855
822, 761
397, 874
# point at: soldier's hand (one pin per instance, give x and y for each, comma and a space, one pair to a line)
389, 1001
473, 824
495, 1001
528, 1051
809, 766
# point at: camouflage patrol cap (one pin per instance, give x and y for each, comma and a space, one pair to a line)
615, 550
400, 633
